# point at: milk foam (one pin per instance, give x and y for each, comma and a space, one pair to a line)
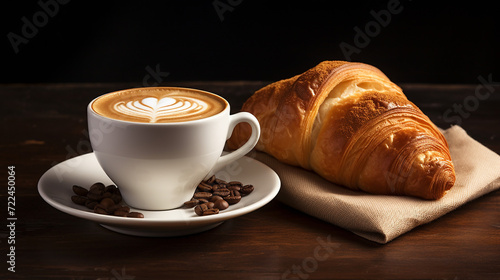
154, 109
159, 105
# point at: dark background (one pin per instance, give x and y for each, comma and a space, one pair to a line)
125, 41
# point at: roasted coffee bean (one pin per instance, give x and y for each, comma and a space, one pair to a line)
235, 183
124, 208
135, 215
109, 205
199, 209
221, 204
94, 196
214, 198
206, 209
233, 198
103, 200
233, 187
106, 194
97, 188
204, 187
191, 203
91, 204
222, 192
210, 180
204, 195
120, 213
107, 202
246, 189
202, 200
210, 211
210, 205
117, 198
222, 185
81, 191
111, 189
215, 187
234, 193
80, 200
99, 209
111, 209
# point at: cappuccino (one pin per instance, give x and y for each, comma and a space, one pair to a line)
157, 144
159, 105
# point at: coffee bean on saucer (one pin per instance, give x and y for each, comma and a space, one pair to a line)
233, 198
97, 188
215, 198
106, 195
111, 189
204, 187
199, 209
91, 204
210, 205
80, 200
202, 200
81, 191
206, 209
124, 208
94, 196
122, 211
246, 189
99, 209
211, 211
221, 204
215, 187
135, 215
223, 192
204, 195
235, 183
107, 202
103, 200
111, 209
191, 203
116, 197
215, 194
233, 187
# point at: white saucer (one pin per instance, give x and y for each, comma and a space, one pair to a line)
55, 187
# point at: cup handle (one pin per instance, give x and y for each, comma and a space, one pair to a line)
243, 150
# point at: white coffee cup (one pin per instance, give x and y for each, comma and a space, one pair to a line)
157, 166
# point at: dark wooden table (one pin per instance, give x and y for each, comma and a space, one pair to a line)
42, 125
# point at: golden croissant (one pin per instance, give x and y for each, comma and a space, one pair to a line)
354, 127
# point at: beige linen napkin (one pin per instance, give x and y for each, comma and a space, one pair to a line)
382, 218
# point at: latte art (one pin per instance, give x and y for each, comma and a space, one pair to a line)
168, 107
159, 105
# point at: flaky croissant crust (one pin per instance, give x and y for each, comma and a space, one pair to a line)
350, 124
